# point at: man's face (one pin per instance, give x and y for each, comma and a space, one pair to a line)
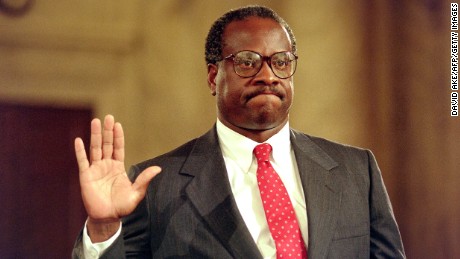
261, 102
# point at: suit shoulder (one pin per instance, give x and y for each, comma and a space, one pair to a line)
175, 156
335, 149
326, 142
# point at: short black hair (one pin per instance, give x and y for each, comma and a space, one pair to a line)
213, 46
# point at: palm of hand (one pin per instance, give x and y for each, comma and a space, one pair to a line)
107, 192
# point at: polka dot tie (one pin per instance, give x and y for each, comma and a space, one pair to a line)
279, 211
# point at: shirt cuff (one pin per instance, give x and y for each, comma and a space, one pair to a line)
95, 250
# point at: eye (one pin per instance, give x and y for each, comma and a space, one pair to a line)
281, 64
245, 63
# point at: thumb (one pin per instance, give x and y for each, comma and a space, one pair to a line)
142, 181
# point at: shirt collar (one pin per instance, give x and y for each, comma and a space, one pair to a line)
239, 148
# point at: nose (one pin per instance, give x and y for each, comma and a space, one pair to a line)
266, 75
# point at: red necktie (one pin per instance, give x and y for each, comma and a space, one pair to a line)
279, 211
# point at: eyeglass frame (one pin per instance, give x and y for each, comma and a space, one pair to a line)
264, 59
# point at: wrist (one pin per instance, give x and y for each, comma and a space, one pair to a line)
102, 230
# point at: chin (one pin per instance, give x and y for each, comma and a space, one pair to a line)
266, 122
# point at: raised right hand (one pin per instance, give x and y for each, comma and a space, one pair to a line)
108, 194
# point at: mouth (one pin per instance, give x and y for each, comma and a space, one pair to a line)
265, 91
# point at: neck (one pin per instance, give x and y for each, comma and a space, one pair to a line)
258, 135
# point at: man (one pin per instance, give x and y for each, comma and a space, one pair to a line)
209, 200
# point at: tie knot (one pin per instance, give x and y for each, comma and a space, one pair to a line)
262, 152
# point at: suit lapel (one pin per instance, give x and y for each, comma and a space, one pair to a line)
322, 189
211, 194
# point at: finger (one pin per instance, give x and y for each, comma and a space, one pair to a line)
118, 143
107, 137
96, 141
80, 153
142, 181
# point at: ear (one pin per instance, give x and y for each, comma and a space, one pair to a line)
212, 74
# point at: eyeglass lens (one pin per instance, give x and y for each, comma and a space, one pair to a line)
248, 63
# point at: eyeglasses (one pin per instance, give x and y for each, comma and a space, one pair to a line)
248, 63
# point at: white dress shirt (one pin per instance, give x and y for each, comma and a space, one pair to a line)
94, 250
241, 167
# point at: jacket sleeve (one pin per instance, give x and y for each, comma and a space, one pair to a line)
385, 237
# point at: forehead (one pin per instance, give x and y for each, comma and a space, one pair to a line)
262, 35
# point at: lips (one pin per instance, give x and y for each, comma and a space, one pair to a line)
265, 91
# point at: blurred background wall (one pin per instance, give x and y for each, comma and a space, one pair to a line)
373, 74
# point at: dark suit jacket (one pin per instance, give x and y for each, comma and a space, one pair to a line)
190, 212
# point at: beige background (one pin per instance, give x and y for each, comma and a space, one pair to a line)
372, 74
